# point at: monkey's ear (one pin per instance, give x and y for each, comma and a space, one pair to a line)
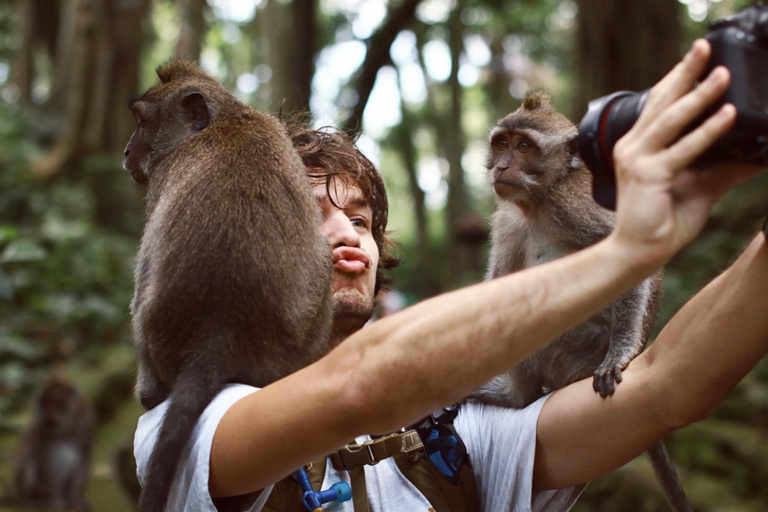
196, 110
573, 152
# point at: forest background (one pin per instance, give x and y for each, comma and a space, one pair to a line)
420, 81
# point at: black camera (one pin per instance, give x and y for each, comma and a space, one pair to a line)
740, 43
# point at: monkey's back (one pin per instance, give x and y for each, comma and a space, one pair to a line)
233, 252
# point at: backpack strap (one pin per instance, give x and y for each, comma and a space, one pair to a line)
287, 496
359, 490
372, 451
441, 494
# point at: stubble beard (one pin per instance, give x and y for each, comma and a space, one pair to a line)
351, 310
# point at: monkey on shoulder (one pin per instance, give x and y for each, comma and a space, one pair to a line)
232, 280
545, 210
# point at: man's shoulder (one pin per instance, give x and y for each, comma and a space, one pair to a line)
230, 394
150, 422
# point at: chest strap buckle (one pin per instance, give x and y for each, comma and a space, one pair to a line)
374, 450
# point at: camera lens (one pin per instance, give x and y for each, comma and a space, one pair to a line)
606, 121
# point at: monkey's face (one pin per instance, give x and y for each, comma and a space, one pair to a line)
524, 161
162, 123
58, 404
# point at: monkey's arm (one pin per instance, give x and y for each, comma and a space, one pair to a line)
697, 359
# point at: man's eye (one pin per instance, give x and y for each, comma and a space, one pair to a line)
359, 222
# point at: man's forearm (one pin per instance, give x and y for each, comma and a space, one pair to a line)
715, 339
444, 348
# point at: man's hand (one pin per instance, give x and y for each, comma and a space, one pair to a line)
662, 204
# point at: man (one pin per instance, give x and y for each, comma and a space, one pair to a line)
400, 368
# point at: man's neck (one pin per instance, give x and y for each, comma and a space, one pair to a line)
343, 328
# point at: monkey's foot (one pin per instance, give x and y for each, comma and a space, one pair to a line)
605, 380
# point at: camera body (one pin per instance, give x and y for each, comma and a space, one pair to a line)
740, 43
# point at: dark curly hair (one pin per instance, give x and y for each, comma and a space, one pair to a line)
329, 153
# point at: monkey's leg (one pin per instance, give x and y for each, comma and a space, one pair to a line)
627, 338
516, 389
149, 389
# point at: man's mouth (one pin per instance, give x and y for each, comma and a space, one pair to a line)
350, 260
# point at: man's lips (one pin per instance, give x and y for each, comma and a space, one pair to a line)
350, 260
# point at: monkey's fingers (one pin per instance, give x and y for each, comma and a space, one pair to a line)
605, 380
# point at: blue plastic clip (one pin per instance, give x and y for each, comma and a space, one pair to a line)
313, 500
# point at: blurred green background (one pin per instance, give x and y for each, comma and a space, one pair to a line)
420, 81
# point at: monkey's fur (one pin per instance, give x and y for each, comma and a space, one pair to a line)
232, 281
54, 457
545, 210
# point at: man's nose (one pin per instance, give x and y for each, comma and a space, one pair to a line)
339, 230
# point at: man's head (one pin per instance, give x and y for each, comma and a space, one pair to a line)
353, 199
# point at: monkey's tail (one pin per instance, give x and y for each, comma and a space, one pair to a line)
667, 478
193, 390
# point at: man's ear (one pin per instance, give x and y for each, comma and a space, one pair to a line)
198, 115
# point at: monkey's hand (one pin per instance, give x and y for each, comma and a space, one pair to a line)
605, 379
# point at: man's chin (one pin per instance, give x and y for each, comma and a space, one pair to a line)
351, 304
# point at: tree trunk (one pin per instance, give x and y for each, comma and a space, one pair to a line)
39, 21
96, 70
624, 46
465, 263
304, 47
425, 280
193, 29
275, 28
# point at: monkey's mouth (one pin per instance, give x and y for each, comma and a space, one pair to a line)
139, 176
505, 188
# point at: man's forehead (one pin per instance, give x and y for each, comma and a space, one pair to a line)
341, 192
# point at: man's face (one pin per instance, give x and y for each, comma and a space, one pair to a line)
355, 254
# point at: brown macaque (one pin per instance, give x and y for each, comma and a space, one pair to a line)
54, 458
545, 210
232, 280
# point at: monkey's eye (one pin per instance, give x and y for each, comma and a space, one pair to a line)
502, 144
524, 145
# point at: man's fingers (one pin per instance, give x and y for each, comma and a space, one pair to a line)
693, 144
676, 83
671, 122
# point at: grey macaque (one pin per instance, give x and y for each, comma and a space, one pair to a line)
545, 210
54, 457
232, 280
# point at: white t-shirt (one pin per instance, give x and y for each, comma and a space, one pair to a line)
501, 444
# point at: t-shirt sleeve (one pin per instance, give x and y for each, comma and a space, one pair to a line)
501, 444
189, 492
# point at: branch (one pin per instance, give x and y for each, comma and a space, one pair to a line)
377, 56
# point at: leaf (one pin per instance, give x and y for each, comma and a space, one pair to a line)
23, 250
8, 233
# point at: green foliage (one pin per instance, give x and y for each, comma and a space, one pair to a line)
66, 254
